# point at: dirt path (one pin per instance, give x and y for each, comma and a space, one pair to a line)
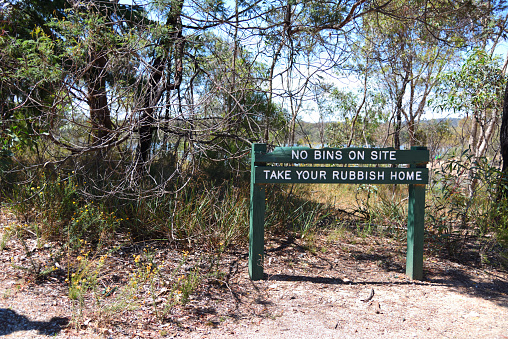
314, 289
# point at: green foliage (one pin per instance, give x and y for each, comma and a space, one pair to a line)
290, 209
92, 223
437, 135
55, 209
216, 217
49, 200
477, 86
455, 216
366, 122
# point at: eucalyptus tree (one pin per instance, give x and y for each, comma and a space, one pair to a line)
412, 45
181, 81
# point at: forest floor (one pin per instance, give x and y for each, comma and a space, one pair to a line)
316, 287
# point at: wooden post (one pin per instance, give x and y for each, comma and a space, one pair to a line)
416, 176
415, 227
257, 219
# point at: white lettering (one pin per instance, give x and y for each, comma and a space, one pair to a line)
380, 175
419, 175
410, 175
338, 155
372, 175
360, 175
393, 175
299, 174
296, 154
266, 173
402, 175
317, 155
373, 155
313, 175
392, 155
354, 155
335, 175
322, 175
287, 175
343, 175
352, 175
305, 175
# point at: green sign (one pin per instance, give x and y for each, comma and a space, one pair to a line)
416, 176
343, 156
340, 175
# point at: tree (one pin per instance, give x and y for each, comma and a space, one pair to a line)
364, 116
28, 68
412, 45
140, 96
476, 90
503, 138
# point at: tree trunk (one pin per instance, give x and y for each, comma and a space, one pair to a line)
98, 100
503, 138
155, 89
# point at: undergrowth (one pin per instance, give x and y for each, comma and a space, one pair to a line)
212, 218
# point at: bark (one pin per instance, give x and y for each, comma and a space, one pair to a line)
503, 138
481, 133
155, 88
358, 110
100, 116
398, 112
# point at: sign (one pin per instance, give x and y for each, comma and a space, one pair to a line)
417, 175
343, 156
342, 175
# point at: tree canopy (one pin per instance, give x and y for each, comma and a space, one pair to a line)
138, 96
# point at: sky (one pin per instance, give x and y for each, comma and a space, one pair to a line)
311, 113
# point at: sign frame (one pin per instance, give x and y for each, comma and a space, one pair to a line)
416, 176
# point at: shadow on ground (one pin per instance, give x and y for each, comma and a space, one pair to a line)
10, 322
466, 278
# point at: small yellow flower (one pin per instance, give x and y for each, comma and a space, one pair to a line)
138, 258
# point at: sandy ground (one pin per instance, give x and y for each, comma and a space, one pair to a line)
313, 289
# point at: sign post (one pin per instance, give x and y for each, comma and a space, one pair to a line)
416, 176
415, 227
257, 218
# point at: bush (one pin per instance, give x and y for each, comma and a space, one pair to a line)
457, 213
